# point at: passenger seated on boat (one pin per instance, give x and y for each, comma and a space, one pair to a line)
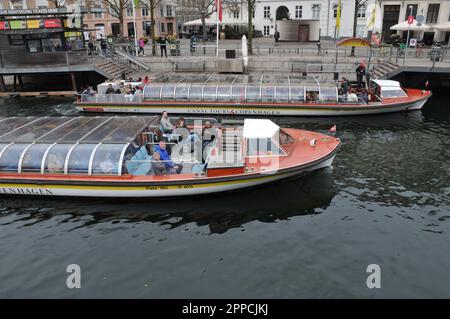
107, 165
88, 91
110, 90
311, 97
345, 84
55, 164
181, 123
180, 131
158, 137
208, 135
364, 95
165, 125
158, 166
171, 167
352, 97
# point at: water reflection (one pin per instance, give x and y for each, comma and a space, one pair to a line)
309, 194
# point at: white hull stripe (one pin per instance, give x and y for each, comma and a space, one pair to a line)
150, 191
260, 110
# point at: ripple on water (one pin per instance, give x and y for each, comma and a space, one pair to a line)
385, 201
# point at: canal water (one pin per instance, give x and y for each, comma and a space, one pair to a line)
385, 201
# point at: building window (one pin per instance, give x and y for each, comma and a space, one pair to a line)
161, 10
236, 14
335, 10
408, 11
316, 11
254, 10
362, 11
16, 39
298, 11
144, 11
433, 12
129, 11
98, 15
162, 28
267, 12
266, 30
169, 11
360, 31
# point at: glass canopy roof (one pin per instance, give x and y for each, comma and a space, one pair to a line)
239, 88
69, 145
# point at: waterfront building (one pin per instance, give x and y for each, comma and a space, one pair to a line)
102, 22
302, 21
106, 24
433, 12
45, 44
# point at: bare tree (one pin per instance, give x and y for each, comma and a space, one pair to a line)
251, 4
235, 6
151, 5
116, 8
358, 5
58, 3
203, 8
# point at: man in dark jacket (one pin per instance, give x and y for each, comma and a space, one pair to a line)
162, 45
91, 47
276, 37
360, 73
171, 167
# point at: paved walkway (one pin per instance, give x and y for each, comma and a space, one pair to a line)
286, 57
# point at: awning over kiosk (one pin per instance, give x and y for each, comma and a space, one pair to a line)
69, 145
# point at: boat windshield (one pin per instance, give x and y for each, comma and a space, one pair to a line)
263, 147
392, 92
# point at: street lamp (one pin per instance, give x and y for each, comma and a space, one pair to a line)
407, 38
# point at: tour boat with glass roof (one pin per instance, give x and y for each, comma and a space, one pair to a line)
121, 156
253, 95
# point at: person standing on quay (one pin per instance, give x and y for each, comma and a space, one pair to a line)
162, 45
104, 46
91, 47
276, 36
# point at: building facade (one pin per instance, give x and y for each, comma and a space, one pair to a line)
104, 23
295, 20
433, 12
269, 15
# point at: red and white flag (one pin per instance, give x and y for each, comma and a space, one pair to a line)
219, 9
332, 129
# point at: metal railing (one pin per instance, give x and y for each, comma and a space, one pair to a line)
110, 98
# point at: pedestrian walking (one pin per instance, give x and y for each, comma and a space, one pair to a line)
141, 46
276, 36
104, 47
91, 47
